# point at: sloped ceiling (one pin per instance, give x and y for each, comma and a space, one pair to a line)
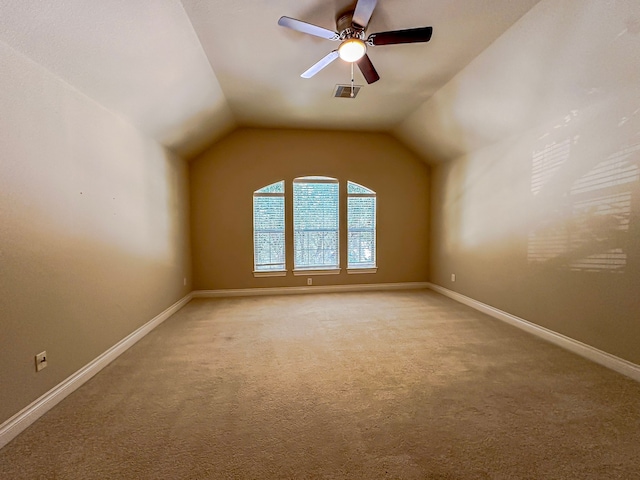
187, 72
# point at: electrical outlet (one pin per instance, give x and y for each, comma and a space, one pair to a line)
309, 281
453, 277
41, 361
185, 281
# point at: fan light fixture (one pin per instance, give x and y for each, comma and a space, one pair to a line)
352, 50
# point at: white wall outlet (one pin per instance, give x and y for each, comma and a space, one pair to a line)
453, 277
41, 361
309, 281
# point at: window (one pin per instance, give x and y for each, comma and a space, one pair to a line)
316, 224
268, 230
361, 228
316, 228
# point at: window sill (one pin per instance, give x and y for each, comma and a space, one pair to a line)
270, 273
362, 270
317, 271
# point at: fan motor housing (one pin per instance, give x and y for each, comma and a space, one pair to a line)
344, 24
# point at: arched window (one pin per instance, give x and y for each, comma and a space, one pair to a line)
361, 228
268, 230
316, 228
316, 235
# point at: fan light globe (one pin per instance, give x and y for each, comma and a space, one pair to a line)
352, 50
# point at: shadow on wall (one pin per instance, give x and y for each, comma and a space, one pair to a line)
593, 201
568, 189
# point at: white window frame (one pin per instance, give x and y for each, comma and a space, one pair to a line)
374, 267
278, 272
317, 270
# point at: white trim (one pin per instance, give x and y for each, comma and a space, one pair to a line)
316, 271
25, 417
362, 270
270, 273
605, 359
249, 292
315, 179
371, 193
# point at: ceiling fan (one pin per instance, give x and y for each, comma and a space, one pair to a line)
351, 28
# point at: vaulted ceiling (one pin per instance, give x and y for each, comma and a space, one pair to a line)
187, 72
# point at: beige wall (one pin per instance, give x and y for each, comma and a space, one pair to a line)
538, 213
93, 231
224, 178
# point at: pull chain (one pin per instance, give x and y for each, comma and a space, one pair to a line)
352, 95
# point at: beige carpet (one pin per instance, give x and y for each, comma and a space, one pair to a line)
402, 385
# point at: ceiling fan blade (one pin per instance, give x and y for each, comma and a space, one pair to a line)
367, 69
363, 12
326, 60
309, 28
412, 35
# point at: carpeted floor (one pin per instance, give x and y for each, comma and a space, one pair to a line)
406, 385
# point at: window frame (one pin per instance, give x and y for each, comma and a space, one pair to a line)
370, 194
289, 231
316, 269
281, 272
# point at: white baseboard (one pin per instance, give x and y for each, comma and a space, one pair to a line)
605, 359
249, 292
25, 417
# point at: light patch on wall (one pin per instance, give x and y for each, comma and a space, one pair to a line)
600, 225
588, 229
616, 170
485, 216
547, 161
124, 193
81, 175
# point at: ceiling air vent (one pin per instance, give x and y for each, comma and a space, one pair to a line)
344, 91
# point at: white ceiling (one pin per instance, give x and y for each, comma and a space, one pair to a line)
187, 72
